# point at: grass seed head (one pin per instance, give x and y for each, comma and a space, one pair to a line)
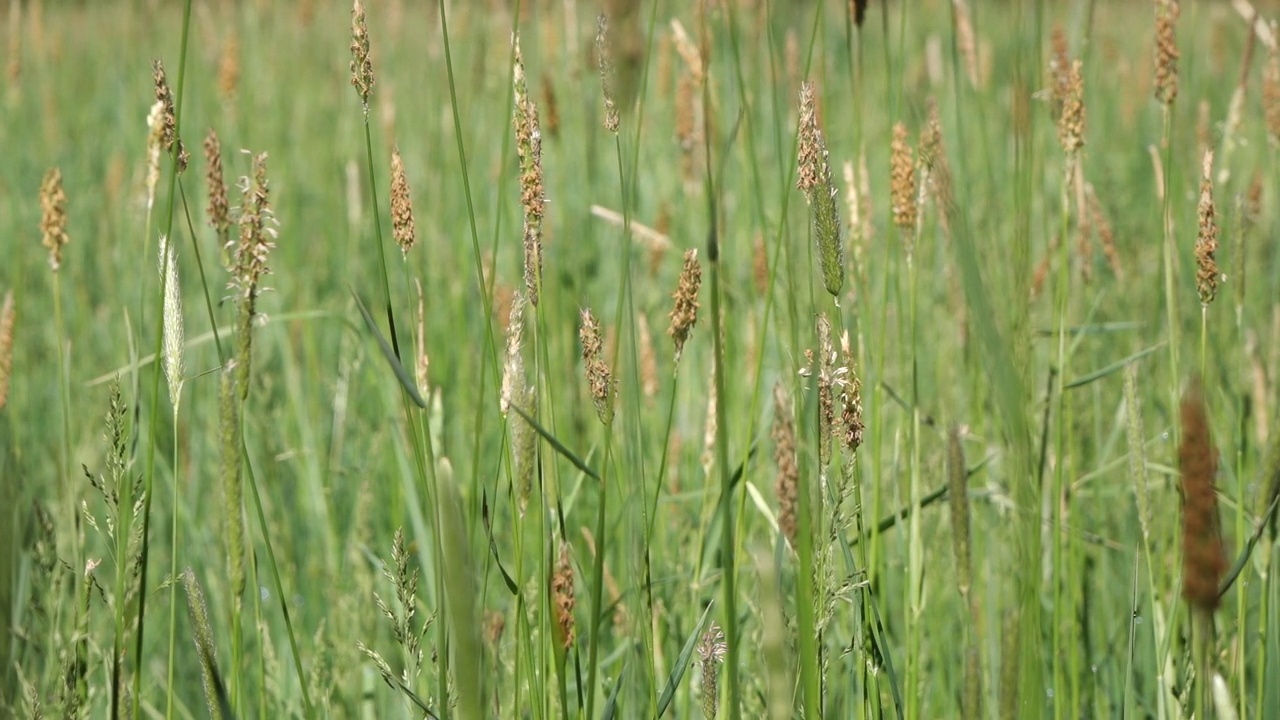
562, 596
169, 134
361, 65
786, 486
532, 194
711, 652
219, 209
174, 342
53, 216
599, 377
6, 346
1204, 559
202, 630
402, 226
858, 10
1166, 53
902, 182
1071, 121
155, 144
1207, 238
232, 487
820, 191
604, 56
851, 423
685, 313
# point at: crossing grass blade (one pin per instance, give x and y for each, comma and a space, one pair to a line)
682, 663
388, 353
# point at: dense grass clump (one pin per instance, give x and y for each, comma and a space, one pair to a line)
743, 359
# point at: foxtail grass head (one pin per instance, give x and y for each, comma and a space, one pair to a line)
174, 342
361, 64
1166, 52
1071, 120
53, 216
820, 192
402, 226
1204, 559
711, 652
562, 597
1207, 275
155, 145
685, 313
169, 139
604, 55
219, 209
786, 485
599, 377
532, 194
902, 184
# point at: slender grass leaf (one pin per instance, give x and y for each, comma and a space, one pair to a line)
682, 663
559, 446
406, 380
1113, 367
493, 546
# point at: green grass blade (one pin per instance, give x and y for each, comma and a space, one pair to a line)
682, 663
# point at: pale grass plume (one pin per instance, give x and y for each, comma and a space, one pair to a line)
1071, 122
6, 346
851, 426
786, 485
423, 362
402, 225
53, 216
820, 191
685, 313
604, 55
1207, 275
1137, 449
902, 185
174, 339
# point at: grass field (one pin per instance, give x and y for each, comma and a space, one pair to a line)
427, 415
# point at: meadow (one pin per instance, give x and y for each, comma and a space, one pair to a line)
751, 358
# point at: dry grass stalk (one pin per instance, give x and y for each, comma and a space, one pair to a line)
711, 652
604, 55
6, 346
786, 486
402, 225
1204, 558
169, 134
532, 194
562, 597
599, 377
53, 216
219, 209
902, 185
1166, 52
1207, 238
685, 313
361, 65
820, 191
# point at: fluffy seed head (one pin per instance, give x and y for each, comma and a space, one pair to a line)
851, 424
604, 55
787, 483
902, 181
820, 191
361, 65
1204, 559
257, 232
1071, 121
1166, 53
219, 209
711, 651
402, 228
1207, 238
174, 342
599, 377
6, 346
685, 313
53, 216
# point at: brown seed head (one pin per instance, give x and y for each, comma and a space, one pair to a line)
1106, 235
1166, 54
532, 195
820, 193
902, 181
402, 228
229, 68
53, 216
685, 313
605, 58
361, 65
787, 484
219, 210
1207, 237
599, 377
1203, 557
257, 234
1071, 122
6, 346
562, 596
169, 135
851, 425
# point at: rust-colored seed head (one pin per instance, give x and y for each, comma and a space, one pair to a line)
562, 596
219, 209
1207, 238
1204, 559
787, 484
1166, 55
685, 313
902, 181
6, 346
532, 195
604, 56
53, 216
402, 227
169, 134
361, 64
599, 377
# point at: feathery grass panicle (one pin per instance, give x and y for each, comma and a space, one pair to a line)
562, 597
599, 377
604, 55
1207, 275
1166, 52
516, 391
815, 182
402, 226
6, 346
824, 367
403, 631
1059, 70
685, 313
169, 133
851, 424
219, 210
53, 216
711, 651
249, 263
1204, 558
513, 382
174, 342
786, 486
361, 64
155, 144
1271, 95
532, 193
202, 630
902, 185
